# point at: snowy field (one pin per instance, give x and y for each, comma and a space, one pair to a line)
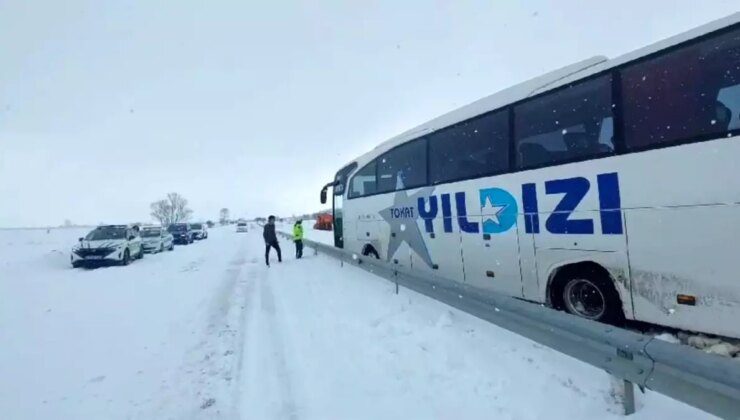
208, 331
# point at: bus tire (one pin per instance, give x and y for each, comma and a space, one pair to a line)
369, 251
587, 290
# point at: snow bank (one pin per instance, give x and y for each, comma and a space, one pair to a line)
725, 347
667, 337
325, 341
719, 346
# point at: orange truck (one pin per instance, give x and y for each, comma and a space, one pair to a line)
324, 222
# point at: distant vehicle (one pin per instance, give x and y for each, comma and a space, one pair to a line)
181, 233
157, 239
199, 230
242, 227
111, 244
607, 188
324, 222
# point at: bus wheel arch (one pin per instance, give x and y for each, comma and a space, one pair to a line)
578, 288
369, 251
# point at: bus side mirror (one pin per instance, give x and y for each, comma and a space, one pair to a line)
323, 190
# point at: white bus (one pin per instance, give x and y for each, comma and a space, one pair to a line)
609, 188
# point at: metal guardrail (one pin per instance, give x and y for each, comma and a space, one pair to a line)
705, 381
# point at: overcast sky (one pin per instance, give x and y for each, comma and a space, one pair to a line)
105, 106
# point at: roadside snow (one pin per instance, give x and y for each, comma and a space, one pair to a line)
721, 346
208, 331
324, 341
110, 342
670, 338
322, 236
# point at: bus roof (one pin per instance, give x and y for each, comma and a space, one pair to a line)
540, 84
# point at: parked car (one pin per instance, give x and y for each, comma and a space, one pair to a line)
181, 233
157, 239
110, 244
199, 230
242, 227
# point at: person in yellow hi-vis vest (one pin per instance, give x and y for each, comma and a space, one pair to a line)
298, 238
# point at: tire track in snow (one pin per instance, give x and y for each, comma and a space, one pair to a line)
275, 328
247, 289
209, 376
267, 385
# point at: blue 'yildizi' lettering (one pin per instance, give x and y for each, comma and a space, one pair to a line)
610, 204
531, 211
446, 213
428, 216
462, 215
559, 220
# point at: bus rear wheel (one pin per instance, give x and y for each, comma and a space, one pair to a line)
370, 251
588, 292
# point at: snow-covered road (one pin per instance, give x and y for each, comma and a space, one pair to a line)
207, 331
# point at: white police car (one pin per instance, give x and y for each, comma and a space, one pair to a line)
110, 244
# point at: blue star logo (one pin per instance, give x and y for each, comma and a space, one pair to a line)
498, 210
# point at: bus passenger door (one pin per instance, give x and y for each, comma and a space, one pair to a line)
443, 247
338, 221
491, 259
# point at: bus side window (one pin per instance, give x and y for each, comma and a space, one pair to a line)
687, 94
403, 167
364, 182
568, 124
471, 149
730, 98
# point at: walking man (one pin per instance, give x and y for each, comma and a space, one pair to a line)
298, 238
271, 240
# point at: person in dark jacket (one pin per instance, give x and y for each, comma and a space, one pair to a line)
271, 240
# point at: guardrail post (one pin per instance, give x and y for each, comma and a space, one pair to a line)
629, 398
395, 278
624, 393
